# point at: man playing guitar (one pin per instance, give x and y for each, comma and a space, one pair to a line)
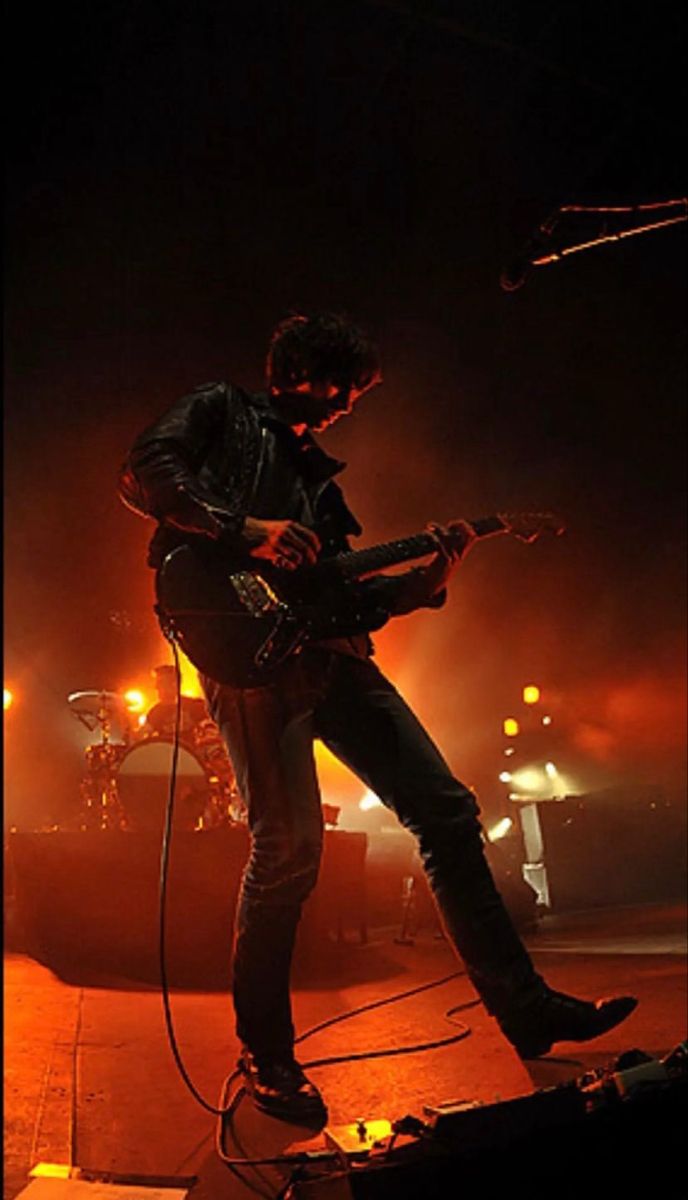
239, 487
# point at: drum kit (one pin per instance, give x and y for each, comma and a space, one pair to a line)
126, 783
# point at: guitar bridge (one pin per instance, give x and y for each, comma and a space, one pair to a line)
256, 595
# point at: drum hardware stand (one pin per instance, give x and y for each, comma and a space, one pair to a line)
98, 787
410, 922
408, 912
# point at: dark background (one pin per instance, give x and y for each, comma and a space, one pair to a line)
181, 175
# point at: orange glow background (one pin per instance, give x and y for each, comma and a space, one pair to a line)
610, 662
489, 403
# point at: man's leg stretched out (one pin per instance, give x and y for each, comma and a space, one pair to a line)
366, 723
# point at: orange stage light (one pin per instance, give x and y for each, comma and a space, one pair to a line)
511, 727
190, 682
135, 700
337, 782
8, 698
327, 763
369, 800
531, 694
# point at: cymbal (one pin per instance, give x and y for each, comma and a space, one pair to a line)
94, 704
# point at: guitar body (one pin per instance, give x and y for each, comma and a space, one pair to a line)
239, 623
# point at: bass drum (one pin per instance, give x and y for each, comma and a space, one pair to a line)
143, 786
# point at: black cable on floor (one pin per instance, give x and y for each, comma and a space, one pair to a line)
73, 1108
356, 1012
389, 1052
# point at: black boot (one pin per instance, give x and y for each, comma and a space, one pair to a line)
555, 1017
279, 1087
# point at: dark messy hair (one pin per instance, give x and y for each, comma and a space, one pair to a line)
321, 346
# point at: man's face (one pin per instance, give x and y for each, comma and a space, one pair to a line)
317, 404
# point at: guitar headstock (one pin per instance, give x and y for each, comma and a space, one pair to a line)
528, 527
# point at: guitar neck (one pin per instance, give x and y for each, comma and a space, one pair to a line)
355, 563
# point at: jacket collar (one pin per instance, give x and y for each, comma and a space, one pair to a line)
315, 464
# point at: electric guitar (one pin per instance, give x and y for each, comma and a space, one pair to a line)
238, 621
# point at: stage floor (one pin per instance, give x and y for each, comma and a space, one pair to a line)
90, 1079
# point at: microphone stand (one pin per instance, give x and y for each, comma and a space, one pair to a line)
547, 227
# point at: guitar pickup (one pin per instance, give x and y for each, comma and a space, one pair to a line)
255, 594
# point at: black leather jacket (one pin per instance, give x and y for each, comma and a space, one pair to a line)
221, 454
194, 470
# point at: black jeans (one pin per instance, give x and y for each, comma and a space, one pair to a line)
362, 719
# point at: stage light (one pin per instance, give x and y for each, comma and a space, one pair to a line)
135, 700
505, 776
529, 779
531, 694
500, 830
546, 720
539, 781
8, 698
191, 684
509, 750
510, 726
369, 800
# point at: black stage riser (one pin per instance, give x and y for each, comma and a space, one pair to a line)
614, 847
87, 904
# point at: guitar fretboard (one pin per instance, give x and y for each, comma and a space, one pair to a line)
355, 563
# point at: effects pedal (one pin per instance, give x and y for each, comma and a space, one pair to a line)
359, 1139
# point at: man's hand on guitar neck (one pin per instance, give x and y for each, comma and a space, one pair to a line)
453, 543
284, 543
454, 539
423, 584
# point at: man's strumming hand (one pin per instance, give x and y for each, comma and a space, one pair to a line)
284, 543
